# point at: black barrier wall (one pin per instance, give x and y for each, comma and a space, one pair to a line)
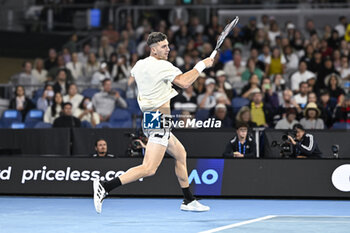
199, 143
208, 177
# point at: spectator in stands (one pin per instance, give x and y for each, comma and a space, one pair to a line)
327, 106
251, 69
86, 112
187, 100
105, 50
199, 84
326, 70
292, 60
260, 39
51, 61
66, 55
26, 79
75, 67
20, 102
273, 32
46, 100
120, 70
61, 84
131, 88
345, 69
242, 145
275, 64
252, 85
262, 113
71, 45
254, 55
207, 99
106, 100
111, 34
66, 120
336, 60
342, 110
301, 97
302, 75
305, 145
39, 72
234, 68
244, 115
316, 64
222, 86
61, 65
101, 74
73, 97
312, 118
91, 67
101, 149
278, 86
288, 102
289, 121
221, 115
55, 109
309, 55
263, 57
83, 56
341, 26
250, 29
333, 83
270, 97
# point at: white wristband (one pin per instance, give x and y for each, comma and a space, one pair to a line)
200, 66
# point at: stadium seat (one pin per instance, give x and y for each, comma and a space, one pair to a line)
37, 94
341, 125
90, 92
238, 103
9, 116
120, 118
103, 125
42, 125
133, 107
17, 125
33, 117
86, 124
202, 114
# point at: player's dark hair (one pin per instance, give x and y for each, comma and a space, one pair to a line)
155, 37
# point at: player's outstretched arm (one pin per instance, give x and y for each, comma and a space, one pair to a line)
185, 80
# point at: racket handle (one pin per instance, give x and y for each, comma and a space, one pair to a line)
212, 55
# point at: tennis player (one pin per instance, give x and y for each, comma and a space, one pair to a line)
154, 76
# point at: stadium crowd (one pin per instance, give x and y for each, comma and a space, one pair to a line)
267, 74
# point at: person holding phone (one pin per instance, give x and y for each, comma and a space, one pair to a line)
270, 96
86, 112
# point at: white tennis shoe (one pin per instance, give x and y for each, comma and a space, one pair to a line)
194, 206
99, 195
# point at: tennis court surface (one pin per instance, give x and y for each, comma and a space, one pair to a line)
77, 215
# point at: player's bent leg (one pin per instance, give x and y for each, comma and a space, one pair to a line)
153, 157
178, 152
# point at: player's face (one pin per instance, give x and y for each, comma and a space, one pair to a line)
162, 50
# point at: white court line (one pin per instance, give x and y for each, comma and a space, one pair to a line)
239, 224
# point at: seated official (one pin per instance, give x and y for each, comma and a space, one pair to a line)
67, 120
304, 144
101, 149
242, 145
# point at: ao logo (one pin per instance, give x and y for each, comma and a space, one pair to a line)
209, 176
341, 178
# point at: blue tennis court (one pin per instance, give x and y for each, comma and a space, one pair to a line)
77, 215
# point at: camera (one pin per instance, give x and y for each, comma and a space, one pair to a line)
134, 147
335, 150
286, 147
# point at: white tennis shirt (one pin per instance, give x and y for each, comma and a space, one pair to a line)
154, 82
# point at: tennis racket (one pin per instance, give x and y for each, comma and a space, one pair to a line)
223, 35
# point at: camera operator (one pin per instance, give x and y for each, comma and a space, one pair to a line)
304, 144
101, 149
242, 145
